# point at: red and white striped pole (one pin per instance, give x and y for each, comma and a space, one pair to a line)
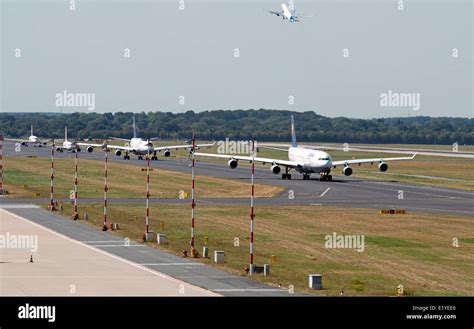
193, 204
252, 210
51, 201
75, 214
1, 164
147, 218
105, 191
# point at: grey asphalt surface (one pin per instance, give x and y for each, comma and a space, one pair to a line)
342, 191
184, 269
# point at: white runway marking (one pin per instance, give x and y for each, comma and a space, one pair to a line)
171, 264
324, 193
17, 206
249, 289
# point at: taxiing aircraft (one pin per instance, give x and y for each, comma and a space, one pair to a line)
67, 145
289, 14
306, 161
140, 147
32, 140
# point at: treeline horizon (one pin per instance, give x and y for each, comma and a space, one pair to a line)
264, 125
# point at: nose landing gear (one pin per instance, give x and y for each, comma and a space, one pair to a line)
325, 176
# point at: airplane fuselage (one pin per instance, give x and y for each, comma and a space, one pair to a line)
286, 13
312, 161
141, 147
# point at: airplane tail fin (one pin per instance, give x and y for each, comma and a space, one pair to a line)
31, 130
65, 133
134, 128
293, 133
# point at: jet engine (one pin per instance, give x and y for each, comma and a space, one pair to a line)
118, 153
383, 167
347, 171
232, 163
167, 153
275, 169
90, 149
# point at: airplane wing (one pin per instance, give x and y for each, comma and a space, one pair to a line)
260, 146
118, 147
272, 148
90, 144
120, 139
26, 141
16, 140
357, 161
278, 13
185, 146
286, 163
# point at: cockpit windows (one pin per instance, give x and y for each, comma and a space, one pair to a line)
324, 159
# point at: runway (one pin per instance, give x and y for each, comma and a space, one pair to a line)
75, 255
342, 191
65, 267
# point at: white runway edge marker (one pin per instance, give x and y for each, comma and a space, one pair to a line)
161, 275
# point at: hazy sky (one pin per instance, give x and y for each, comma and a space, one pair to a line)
191, 52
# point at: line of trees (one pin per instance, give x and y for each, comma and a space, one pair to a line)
265, 125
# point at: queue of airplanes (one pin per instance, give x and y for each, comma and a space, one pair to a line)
135, 145
303, 160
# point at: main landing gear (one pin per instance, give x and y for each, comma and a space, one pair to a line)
154, 157
126, 156
286, 175
306, 176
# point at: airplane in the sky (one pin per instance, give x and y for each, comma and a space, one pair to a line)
288, 13
306, 161
32, 140
140, 147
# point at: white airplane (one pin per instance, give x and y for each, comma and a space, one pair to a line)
32, 140
140, 147
289, 14
306, 161
67, 145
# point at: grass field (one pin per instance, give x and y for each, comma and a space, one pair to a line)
26, 177
415, 250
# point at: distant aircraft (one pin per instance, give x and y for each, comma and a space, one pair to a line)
289, 14
139, 147
32, 140
306, 161
67, 145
